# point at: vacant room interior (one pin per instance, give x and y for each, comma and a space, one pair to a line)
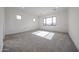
39, 29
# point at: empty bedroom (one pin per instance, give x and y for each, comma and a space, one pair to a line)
39, 29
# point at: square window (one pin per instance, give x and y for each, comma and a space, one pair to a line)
49, 21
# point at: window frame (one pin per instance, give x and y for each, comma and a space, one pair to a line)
56, 21
44, 24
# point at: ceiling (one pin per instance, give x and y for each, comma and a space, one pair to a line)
40, 11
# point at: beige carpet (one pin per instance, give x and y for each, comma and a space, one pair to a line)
27, 42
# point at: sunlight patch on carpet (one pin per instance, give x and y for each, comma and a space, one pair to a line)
44, 34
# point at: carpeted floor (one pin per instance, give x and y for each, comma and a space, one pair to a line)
27, 42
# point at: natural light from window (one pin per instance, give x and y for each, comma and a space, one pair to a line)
49, 21
44, 21
44, 34
34, 20
54, 20
18, 17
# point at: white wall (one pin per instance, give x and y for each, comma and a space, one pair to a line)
1, 27
12, 25
74, 25
62, 22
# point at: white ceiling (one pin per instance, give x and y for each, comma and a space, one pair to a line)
40, 11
